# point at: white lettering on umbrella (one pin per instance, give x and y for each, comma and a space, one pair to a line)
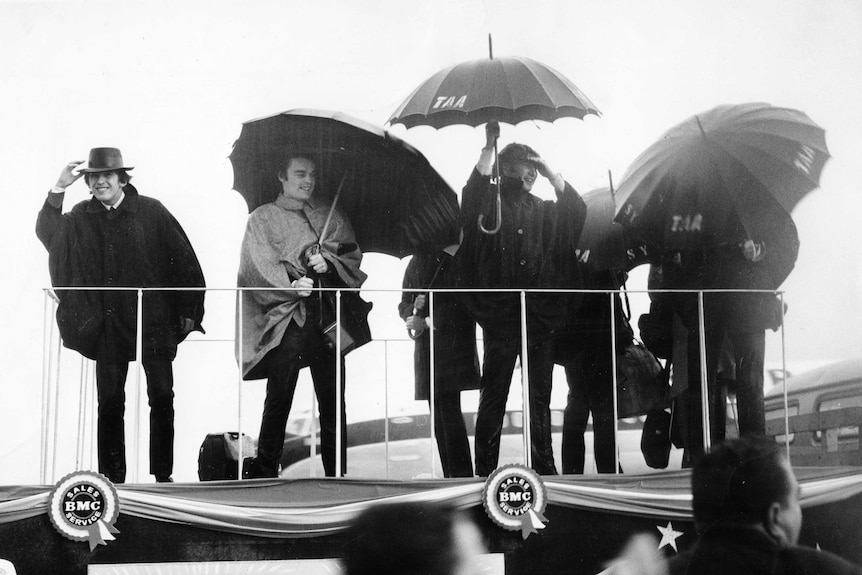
450, 102
804, 159
686, 223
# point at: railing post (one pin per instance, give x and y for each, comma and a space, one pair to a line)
614, 382
46, 376
784, 381
239, 460
525, 383
139, 360
432, 380
704, 376
339, 384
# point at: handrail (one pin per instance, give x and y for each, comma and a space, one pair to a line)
51, 361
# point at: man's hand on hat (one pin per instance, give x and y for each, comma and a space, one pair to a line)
68, 176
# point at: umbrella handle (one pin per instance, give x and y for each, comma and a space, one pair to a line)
496, 228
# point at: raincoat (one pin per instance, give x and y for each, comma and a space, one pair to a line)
535, 248
140, 244
272, 255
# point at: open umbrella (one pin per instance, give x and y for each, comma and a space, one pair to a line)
395, 200
729, 174
602, 243
509, 89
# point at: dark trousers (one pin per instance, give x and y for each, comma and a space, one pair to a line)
110, 385
590, 380
747, 352
499, 364
451, 434
300, 347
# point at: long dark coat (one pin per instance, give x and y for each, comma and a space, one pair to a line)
456, 361
535, 248
140, 244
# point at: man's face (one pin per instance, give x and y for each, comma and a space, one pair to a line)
105, 186
789, 520
299, 179
524, 171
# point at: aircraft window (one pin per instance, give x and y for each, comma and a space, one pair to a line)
792, 409
851, 432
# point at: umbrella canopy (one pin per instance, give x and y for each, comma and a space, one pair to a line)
602, 243
509, 89
729, 174
396, 201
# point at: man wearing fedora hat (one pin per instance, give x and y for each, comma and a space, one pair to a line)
120, 239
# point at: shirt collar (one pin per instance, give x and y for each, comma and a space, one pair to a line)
117, 203
286, 203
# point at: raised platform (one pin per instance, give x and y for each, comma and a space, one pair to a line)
588, 520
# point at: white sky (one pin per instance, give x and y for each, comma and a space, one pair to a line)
170, 83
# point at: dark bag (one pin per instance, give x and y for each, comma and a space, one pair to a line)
656, 329
218, 456
642, 383
355, 331
656, 439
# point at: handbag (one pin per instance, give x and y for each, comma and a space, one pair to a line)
642, 382
656, 328
656, 438
355, 331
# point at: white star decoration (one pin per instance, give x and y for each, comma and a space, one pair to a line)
668, 536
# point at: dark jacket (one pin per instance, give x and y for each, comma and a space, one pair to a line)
139, 244
536, 247
740, 550
723, 266
456, 360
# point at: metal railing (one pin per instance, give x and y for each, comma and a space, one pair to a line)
86, 409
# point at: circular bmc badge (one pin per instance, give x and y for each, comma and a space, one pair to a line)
83, 507
514, 498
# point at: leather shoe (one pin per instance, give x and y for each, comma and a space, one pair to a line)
164, 479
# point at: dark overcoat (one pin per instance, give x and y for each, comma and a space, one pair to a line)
138, 245
746, 550
456, 360
536, 247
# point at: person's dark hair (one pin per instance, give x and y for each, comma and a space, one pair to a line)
402, 539
282, 170
122, 175
738, 481
514, 153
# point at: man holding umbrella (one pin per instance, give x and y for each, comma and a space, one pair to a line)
534, 248
735, 321
294, 242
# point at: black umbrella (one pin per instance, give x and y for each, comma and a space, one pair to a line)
732, 173
509, 89
602, 243
395, 199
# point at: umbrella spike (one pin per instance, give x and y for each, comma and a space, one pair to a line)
490, 47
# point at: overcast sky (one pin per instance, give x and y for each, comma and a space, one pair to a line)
170, 83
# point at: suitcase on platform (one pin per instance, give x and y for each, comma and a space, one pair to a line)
218, 456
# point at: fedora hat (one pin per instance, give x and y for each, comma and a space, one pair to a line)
105, 160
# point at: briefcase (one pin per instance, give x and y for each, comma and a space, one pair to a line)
217, 459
